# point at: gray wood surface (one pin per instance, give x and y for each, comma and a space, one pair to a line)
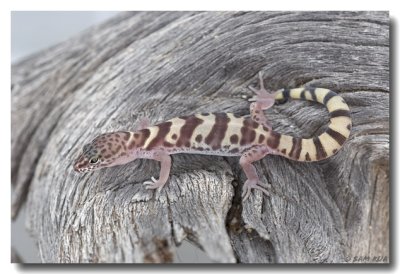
165, 64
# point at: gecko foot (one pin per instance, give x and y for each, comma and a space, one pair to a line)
264, 98
250, 184
154, 184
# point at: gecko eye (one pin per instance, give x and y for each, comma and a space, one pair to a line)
94, 160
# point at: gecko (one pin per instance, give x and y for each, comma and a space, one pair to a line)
223, 134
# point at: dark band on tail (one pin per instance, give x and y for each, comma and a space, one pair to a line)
286, 96
324, 145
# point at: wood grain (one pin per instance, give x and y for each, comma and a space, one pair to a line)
166, 64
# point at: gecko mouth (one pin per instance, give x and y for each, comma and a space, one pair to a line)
80, 167
83, 166
82, 170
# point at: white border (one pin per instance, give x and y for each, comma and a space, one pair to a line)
115, 5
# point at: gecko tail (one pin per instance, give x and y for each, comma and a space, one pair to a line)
322, 146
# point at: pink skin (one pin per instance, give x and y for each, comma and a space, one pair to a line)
111, 149
165, 160
253, 181
263, 100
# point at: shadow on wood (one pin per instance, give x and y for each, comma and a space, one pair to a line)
166, 64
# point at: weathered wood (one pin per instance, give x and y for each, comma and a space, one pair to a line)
166, 64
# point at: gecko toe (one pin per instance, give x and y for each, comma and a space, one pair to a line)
246, 193
264, 185
253, 184
263, 190
253, 89
150, 183
153, 184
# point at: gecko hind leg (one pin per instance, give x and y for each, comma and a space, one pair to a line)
253, 181
262, 101
165, 160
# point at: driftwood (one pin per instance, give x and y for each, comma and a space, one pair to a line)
165, 64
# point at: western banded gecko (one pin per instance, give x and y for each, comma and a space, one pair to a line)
224, 134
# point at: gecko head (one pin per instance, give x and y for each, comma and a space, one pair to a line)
106, 150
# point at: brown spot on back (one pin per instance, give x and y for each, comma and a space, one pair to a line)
250, 123
126, 136
261, 138
174, 136
163, 130
283, 151
236, 115
131, 145
308, 157
274, 139
248, 136
234, 139
334, 151
199, 138
248, 132
142, 137
167, 144
217, 133
187, 129
348, 126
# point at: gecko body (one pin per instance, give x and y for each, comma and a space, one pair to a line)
223, 134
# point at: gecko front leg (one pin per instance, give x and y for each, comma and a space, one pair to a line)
165, 160
263, 100
253, 181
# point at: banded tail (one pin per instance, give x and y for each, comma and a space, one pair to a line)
324, 145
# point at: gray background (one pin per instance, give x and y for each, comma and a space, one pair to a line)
35, 31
